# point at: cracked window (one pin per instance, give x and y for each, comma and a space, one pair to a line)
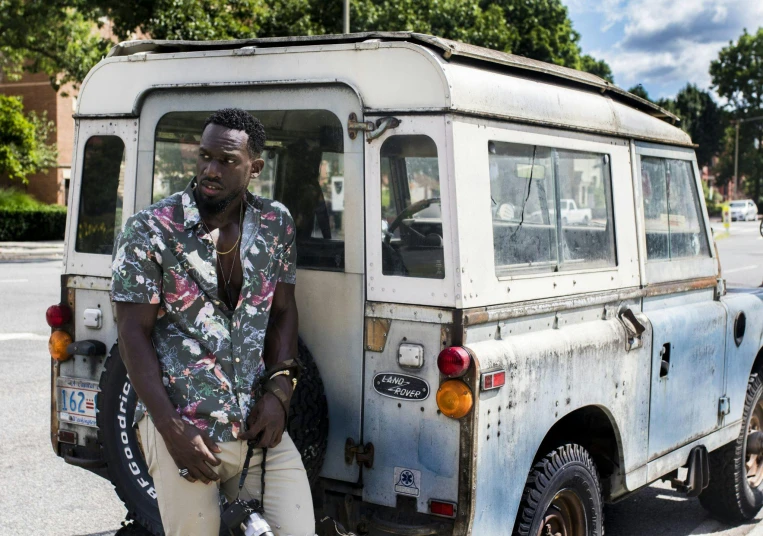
551, 208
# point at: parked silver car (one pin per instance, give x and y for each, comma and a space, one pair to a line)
743, 210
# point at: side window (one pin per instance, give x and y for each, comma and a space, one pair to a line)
411, 226
672, 219
304, 169
101, 193
551, 208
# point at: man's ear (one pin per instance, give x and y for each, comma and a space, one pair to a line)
257, 166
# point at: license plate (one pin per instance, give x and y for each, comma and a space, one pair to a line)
77, 401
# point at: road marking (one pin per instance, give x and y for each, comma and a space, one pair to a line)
757, 531
742, 269
22, 337
14, 280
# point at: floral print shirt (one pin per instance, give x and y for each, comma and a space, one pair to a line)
210, 356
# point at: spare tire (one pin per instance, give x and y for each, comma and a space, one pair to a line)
127, 469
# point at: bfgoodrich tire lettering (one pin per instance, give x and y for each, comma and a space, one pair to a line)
307, 426
562, 489
730, 495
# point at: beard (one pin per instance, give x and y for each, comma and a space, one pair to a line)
216, 206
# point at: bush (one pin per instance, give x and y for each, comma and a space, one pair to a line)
13, 198
43, 222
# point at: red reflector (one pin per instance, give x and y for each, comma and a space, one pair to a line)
58, 315
440, 508
493, 380
67, 436
454, 361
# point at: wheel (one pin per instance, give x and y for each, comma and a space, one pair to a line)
761, 227
735, 493
127, 469
585, 220
562, 496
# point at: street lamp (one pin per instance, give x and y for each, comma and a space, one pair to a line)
737, 122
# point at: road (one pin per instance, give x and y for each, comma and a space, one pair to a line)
40, 494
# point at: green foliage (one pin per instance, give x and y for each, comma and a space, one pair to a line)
701, 118
639, 91
11, 198
23, 140
738, 77
45, 222
50, 36
538, 29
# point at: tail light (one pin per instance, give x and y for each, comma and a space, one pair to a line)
454, 399
442, 508
57, 344
453, 362
58, 315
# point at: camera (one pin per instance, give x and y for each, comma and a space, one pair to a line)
244, 518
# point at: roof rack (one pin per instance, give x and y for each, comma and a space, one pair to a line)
450, 51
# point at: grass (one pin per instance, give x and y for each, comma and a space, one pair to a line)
11, 198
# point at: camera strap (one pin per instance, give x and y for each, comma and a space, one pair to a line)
245, 471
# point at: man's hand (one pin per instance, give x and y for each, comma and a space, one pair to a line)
190, 449
267, 417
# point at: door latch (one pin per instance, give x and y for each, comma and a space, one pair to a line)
363, 454
724, 406
374, 130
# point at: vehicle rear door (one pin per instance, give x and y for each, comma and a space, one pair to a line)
314, 168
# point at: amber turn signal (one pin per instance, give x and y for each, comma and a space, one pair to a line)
57, 344
454, 399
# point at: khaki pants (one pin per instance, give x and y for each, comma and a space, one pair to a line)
193, 509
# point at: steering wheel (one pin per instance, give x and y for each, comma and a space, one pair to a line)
409, 211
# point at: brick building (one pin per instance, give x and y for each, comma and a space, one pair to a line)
39, 95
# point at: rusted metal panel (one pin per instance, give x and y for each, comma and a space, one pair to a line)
688, 348
550, 374
413, 313
377, 330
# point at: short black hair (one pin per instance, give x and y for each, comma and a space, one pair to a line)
238, 119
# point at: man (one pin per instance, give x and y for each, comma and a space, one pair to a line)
204, 288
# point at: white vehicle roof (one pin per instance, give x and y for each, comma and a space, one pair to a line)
391, 72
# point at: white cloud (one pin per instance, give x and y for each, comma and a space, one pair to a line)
670, 43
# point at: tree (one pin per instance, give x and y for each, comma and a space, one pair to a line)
23, 147
737, 76
701, 118
600, 68
639, 91
50, 36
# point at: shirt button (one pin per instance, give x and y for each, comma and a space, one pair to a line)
238, 360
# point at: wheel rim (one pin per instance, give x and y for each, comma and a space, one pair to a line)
754, 462
565, 516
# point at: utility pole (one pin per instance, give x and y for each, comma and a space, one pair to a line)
346, 17
737, 122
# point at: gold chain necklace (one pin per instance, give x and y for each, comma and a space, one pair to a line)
240, 232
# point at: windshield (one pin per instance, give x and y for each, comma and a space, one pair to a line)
738, 204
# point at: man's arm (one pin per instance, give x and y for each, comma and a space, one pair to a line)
268, 415
187, 445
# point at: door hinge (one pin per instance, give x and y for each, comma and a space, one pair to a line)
374, 130
363, 454
724, 406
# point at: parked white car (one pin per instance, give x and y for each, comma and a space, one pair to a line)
572, 214
743, 210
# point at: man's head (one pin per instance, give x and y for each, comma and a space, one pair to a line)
229, 157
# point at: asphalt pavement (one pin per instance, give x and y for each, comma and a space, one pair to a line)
42, 495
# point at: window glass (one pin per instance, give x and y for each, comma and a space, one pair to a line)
527, 183
412, 239
304, 169
587, 236
672, 218
101, 194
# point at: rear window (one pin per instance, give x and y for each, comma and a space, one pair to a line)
551, 208
304, 169
101, 194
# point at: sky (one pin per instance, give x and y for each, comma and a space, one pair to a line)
661, 44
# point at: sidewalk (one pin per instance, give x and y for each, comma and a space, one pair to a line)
31, 251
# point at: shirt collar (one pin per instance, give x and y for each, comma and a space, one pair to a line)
191, 216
